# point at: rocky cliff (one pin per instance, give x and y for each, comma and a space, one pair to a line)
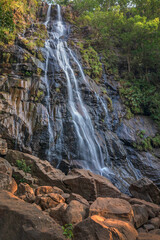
25, 120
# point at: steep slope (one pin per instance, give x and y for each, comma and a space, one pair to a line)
36, 114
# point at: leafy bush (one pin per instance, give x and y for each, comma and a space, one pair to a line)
68, 231
132, 97
93, 66
147, 143
15, 15
21, 164
128, 39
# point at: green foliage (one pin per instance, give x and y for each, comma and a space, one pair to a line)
40, 94
141, 134
93, 66
40, 56
21, 164
155, 141
129, 114
146, 143
18, 179
14, 17
109, 103
39, 71
68, 231
28, 74
132, 97
129, 41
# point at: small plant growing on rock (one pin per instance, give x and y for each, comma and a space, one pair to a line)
68, 231
21, 164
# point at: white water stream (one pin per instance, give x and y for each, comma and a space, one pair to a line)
89, 147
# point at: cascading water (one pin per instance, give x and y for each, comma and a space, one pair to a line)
88, 147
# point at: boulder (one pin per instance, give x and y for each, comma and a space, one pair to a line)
148, 236
43, 170
155, 222
57, 213
75, 212
3, 147
66, 165
5, 175
148, 227
14, 186
89, 185
66, 196
26, 193
5, 167
140, 214
98, 228
145, 189
153, 209
77, 197
114, 208
19, 175
50, 200
47, 189
22, 221
155, 231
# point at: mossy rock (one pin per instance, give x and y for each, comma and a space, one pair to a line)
91, 60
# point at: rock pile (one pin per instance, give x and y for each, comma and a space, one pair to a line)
89, 203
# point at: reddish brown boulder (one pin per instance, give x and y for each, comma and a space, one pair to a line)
148, 236
57, 213
26, 193
66, 196
112, 208
5, 175
14, 186
155, 231
50, 200
3, 147
75, 212
57, 190
89, 185
77, 197
47, 189
155, 222
146, 190
41, 169
99, 228
5, 167
140, 214
43, 190
20, 220
79, 181
148, 227
153, 209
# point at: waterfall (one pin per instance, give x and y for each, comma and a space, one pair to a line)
89, 148
88, 142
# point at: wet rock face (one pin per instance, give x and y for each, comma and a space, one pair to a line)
24, 120
21, 110
127, 130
